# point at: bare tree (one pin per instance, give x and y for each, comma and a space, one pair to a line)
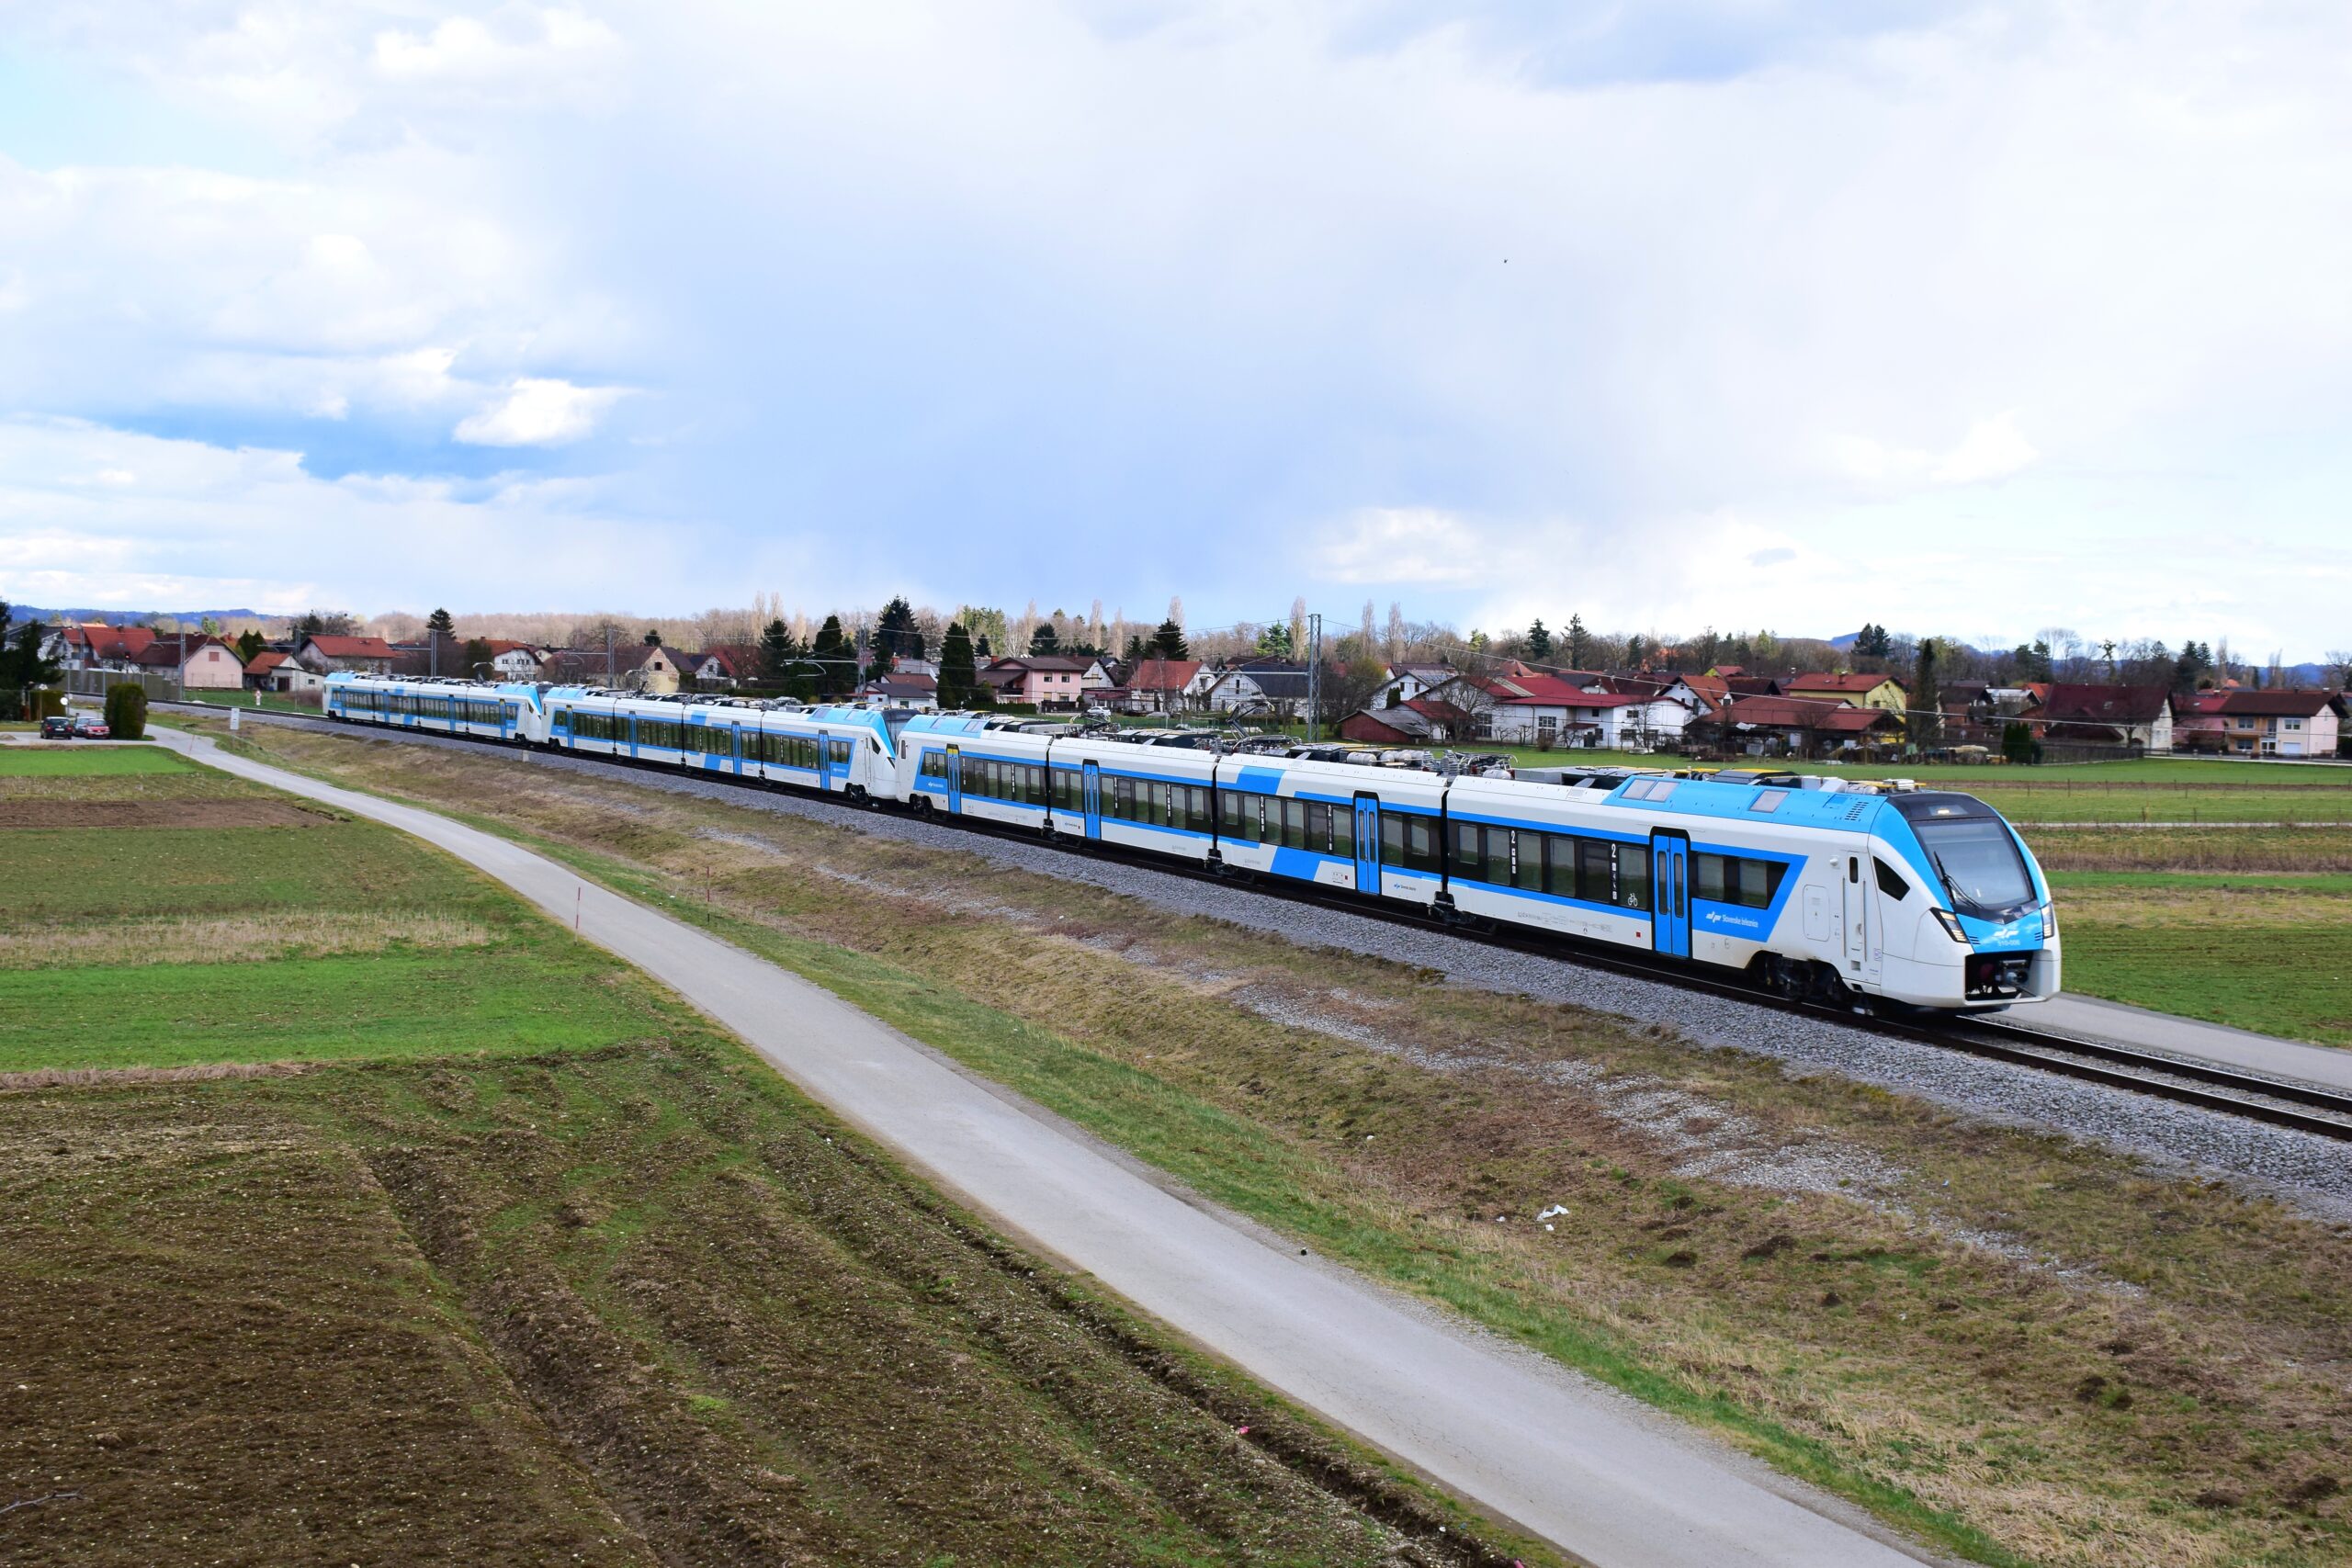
2340, 660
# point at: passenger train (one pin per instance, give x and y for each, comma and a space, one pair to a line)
1815, 888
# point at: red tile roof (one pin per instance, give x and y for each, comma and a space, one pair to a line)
1163, 674
354, 647
2104, 705
264, 661
1835, 683
2277, 703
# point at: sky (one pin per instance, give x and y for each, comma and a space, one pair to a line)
1965, 318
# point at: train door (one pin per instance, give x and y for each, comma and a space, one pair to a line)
824, 762
1670, 892
630, 720
1094, 777
1857, 935
735, 747
955, 779
1367, 843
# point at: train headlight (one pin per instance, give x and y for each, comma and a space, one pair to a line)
2049, 921
1950, 922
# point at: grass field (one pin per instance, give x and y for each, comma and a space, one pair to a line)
88, 760
551, 1272
2271, 954
2024, 1349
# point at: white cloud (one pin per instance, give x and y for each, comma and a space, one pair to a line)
211, 526
1389, 544
548, 42
538, 412
1994, 448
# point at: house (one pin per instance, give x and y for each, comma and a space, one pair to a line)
2197, 721
1046, 680
94, 644
360, 655
894, 690
2107, 715
1411, 723
1531, 709
722, 664
635, 665
1164, 686
274, 669
199, 662
1410, 681
511, 660
1863, 691
1260, 686
1762, 726
2281, 723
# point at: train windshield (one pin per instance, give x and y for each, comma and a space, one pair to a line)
1979, 863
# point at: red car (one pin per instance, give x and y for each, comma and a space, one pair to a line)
89, 728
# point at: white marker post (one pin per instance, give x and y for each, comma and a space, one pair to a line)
232, 719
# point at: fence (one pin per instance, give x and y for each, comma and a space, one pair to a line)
160, 687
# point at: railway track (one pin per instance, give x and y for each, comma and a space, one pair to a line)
2305, 1108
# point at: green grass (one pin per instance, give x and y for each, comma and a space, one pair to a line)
2269, 953
81, 872
68, 762
534, 996
271, 701
534, 988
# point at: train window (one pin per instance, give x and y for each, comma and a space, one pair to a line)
1228, 812
1758, 880
1465, 851
1768, 800
842, 749
1707, 877
1196, 807
1596, 871
1499, 856
1631, 888
1344, 831
1318, 827
1293, 824
1122, 799
1420, 844
1527, 871
1392, 840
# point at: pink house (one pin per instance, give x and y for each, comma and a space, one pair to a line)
2280, 723
1047, 679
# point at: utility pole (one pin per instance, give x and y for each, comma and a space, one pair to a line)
609, 673
1314, 674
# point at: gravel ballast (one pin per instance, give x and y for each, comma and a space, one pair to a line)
2305, 1169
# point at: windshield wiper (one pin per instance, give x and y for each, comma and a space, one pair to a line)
1951, 888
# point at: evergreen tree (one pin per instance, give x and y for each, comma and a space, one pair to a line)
1926, 720
251, 644
1635, 647
1274, 641
836, 660
895, 633
1133, 654
2017, 741
440, 624
779, 653
1539, 640
959, 673
1872, 642
1168, 642
475, 659
1580, 643
1044, 640
22, 667
653, 636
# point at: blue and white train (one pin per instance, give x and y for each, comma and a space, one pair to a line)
1815, 887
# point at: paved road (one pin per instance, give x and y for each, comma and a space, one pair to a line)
2120, 1024
1573, 1462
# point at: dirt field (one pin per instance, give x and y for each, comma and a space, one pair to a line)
645, 1307
2026, 1350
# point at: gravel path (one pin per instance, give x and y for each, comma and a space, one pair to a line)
2303, 1168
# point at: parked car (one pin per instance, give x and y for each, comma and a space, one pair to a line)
57, 727
89, 727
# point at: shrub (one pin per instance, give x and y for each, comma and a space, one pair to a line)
127, 710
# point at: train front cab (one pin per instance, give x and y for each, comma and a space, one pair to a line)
1965, 913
